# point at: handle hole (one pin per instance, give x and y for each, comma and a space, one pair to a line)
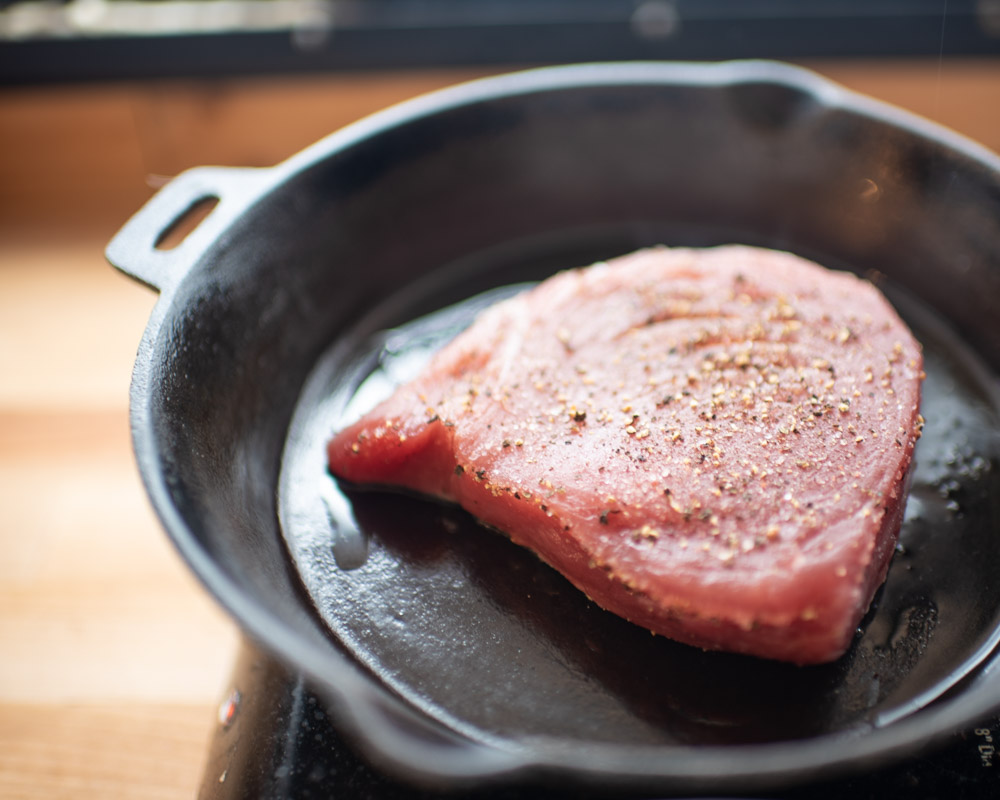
178, 230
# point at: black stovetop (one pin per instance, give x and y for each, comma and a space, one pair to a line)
275, 740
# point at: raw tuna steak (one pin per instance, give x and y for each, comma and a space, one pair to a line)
713, 444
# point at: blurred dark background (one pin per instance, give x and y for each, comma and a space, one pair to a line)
76, 40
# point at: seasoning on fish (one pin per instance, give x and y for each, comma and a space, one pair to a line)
713, 444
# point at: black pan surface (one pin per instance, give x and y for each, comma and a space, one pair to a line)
481, 634
452, 655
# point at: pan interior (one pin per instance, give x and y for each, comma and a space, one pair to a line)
484, 637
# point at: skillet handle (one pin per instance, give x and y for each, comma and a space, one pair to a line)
137, 249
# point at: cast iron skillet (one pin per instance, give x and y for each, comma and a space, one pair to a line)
453, 657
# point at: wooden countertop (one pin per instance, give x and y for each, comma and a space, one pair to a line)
112, 658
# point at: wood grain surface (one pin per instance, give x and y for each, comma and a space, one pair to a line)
112, 658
